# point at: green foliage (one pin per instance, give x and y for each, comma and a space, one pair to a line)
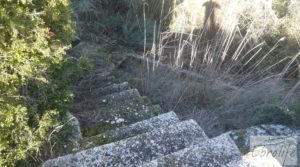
35, 74
121, 20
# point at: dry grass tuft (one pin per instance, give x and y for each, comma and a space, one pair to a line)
250, 44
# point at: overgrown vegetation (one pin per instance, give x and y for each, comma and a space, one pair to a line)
251, 45
35, 74
120, 20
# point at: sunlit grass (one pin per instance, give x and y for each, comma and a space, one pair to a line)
245, 43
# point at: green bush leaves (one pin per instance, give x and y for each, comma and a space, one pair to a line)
35, 73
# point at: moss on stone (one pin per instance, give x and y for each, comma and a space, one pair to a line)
95, 141
157, 112
241, 134
146, 100
157, 100
97, 129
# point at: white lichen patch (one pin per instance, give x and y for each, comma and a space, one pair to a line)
118, 120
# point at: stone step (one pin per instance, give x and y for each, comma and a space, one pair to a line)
259, 157
102, 55
115, 101
111, 111
96, 73
218, 151
102, 91
136, 150
95, 81
130, 95
286, 150
144, 126
122, 120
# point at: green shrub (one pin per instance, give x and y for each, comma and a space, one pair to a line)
35, 74
120, 20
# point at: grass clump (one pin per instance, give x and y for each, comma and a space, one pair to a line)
251, 46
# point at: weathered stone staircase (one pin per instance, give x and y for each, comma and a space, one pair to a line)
122, 128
